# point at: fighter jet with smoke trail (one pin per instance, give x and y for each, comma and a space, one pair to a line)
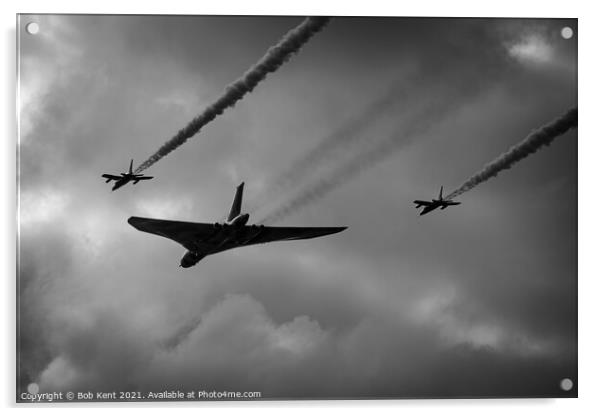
435, 203
125, 177
202, 239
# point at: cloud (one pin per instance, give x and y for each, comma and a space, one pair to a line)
233, 340
42, 205
538, 45
463, 321
237, 345
166, 207
47, 60
96, 352
533, 48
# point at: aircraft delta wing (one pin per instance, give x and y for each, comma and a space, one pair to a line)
197, 236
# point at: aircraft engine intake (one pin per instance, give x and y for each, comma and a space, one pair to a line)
239, 221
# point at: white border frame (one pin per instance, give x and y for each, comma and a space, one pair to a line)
590, 286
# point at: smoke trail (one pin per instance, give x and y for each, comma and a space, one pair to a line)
344, 138
530, 144
270, 62
181, 334
424, 121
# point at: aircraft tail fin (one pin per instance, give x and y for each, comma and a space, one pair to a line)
441, 194
237, 203
131, 164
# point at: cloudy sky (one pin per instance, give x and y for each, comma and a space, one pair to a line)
477, 300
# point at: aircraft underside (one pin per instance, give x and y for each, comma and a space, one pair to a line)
203, 239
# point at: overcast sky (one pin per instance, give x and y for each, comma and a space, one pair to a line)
478, 299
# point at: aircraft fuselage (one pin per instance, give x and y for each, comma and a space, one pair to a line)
434, 205
227, 235
126, 178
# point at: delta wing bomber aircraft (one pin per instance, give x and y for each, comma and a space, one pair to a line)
203, 239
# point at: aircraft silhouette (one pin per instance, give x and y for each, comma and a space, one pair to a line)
203, 239
435, 203
125, 177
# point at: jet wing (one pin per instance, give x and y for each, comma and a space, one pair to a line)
141, 178
111, 177
261, 234
420, 203
188, 234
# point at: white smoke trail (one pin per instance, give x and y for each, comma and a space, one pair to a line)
532, 143
270, 62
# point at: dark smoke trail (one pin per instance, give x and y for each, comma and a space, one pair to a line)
343, 139
181, 334
270, 62
531, 144
350, 136
424, 121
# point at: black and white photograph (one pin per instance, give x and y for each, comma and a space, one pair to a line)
290, 207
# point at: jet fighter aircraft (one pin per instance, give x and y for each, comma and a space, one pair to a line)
434, 204
203, 239
125, 177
